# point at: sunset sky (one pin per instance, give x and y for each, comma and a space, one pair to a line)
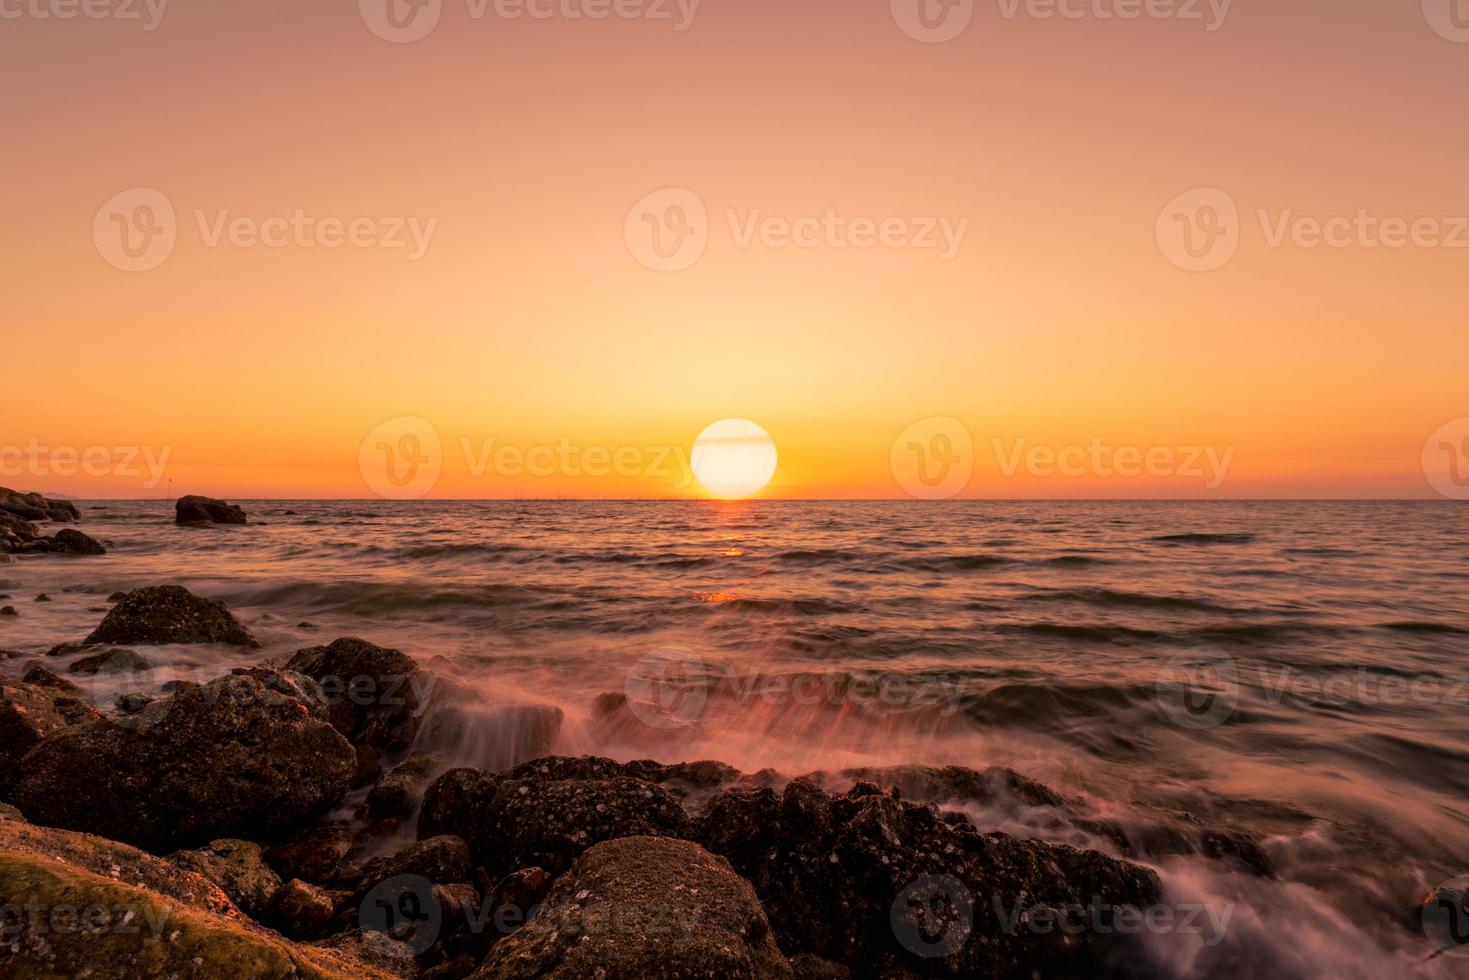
531, 318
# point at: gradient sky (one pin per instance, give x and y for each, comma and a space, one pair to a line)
530, 321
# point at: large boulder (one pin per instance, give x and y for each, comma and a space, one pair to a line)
207, 510
541, 815
170, 614
34, 507
376, 696
28, 713
643, 907
139, 916
248, 753
69, 541
884, 886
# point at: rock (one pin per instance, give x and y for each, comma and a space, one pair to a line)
315, 854
115, 661
117, 597
239, 754
34, 507
529, 818
131, 704
43, 597
643, 907
399, 789
440, 860
957, 784
170, 614
66, 696
301, 910
375, 694
886, 887
236, 867
456, 969
8, 611
72, 542
376, 951
157, 919
207, 510
27, 715
8, 812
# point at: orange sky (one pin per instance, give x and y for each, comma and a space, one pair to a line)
529, 319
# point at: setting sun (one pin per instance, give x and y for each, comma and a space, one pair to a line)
734, 458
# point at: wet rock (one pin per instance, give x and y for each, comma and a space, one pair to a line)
315, 854
207, 510
957, 784
237, 868
34, 507
43, 597
643, 907
399, 789
302, 910
27, 715
117, 597
511, 903
530, 817
65, 696
374, 693
170, 614
131, 704
456, 969
862, 880
441, 860
235, 755
115, 661
8, 611
376, 952
73, 542
8, 812
176, 923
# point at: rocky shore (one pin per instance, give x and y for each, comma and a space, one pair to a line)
290, 819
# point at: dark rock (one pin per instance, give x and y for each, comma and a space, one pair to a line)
67, 698
530, 818
110, 662
399, 789
131, 704
117, 597
43, 597
441, 860
207, 510
34, 507
957, 784
301, 910
315, 854
72, 542
643, 907
8, 611
8, 812
170, 614
456, 969
306, 626
236, 867
378, 953
373, 693
235, 755
27, 715
858, 880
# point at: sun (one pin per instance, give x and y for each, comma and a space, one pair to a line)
734, 458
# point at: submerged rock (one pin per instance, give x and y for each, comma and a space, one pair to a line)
170, 614
72, 542
238, 755
236, 867
643, 907
207, 510
880, 885
116, 661
531, 817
